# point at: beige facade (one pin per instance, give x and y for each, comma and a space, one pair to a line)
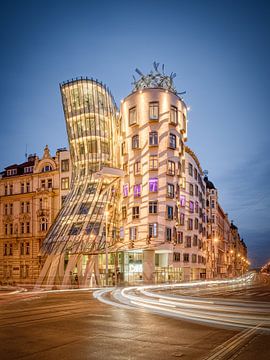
30, 198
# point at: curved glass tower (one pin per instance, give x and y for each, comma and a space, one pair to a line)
92, 127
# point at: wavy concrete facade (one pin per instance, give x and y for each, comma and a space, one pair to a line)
92, 127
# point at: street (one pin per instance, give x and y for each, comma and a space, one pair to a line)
76, 325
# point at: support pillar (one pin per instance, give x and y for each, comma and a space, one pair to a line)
149, 266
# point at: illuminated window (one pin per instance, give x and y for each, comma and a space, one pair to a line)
172, 141
153, 184
153, 111
174, 115
182, 200
135, 212
191, 206
65, 165
153, 138
125, 190
65, 183
137, 190
153, 205
171, 168
132, 116
153, 162
135, 142
153, 230
170, 191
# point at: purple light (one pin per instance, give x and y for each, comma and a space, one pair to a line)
153, 184
191, 206
182, 200
137, 190
125, 190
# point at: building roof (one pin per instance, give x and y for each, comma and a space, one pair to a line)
193, 155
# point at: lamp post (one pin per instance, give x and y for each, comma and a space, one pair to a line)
106, 248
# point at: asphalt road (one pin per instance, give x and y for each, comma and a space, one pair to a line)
74, 325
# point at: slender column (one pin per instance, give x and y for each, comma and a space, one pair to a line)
149, 266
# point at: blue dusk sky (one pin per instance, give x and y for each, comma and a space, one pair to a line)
220, 51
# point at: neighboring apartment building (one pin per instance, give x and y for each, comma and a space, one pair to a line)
30, 198
226, 252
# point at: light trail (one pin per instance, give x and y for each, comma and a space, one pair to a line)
215, 311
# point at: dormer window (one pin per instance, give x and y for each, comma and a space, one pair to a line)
47, 168
11, 172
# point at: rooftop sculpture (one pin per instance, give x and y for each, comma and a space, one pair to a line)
155, 79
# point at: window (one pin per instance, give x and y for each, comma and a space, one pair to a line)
104, 147
169, 212
153, 184
153, 111
92, 149
212, 204
63, 198
182, 219
190, 169
84, 208
27, 248
186, 257
190, 224
133, 233
182, 200
191, 206
65, 183
153, 230
196, 190
135, 212
170, 191
153, 207
28, 228
11, 172
188, 242
6, 209
174, 115
195, 240
75, 229
124, 212
10, 249
49, 183
153, 138
123, 148
137, 190
43, 183
196, 206
6, 189
125, 168
196, 224
195, 174
10, 209
10, 189
28, 187
22, 228
91, 188
125, 190
190, 189
168, 234
179, 237
43, 225
6, 229
172, 141
10, 229
137, 168
22, 188
153, 162
47, 168
194, 258
65, 165
176, 256
132, 116
171, 167
135, 142
22, 248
